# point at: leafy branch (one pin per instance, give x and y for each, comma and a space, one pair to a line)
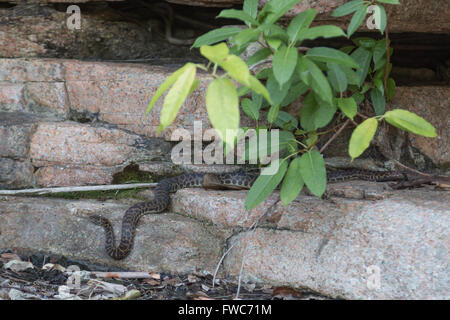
329, 81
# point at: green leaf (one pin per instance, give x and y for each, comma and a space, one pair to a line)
390, 88
273, 113
378, 83
292, 183
243, 91
251, 8
311, 74
321, 31
325, 54
277, 9
263, 186
259, 55
361, 137
166, 85
301, 21
365, 42
238, 14
177, 95
314, 115
215, 36
389, 1
348, 106
366, 88
265, 146
250, 109
347, 49
257, 100
286, 121
379, 74
274, 43
276, 93
337, 77
362, 57
358, 97
411, 122
312, 169
347, 8
356, 20
379, 51
284, 62
275, 32
222, 104
295, 91
352, 76
245, 36
383, 19
378, 101
380, 64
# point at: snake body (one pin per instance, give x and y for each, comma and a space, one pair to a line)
237, 180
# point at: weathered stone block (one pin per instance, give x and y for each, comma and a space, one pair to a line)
403, 238
165, 242
15, 174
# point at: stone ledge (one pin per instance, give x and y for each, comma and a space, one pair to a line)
325, 246
405, 236
164, 242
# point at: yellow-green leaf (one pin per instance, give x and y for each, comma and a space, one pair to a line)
215, 53
258, 87
361, 137
236, 68
222, 104
177, 95
411, 122
166, 85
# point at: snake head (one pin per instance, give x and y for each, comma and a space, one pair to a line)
97, 219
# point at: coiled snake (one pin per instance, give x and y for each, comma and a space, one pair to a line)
235, 180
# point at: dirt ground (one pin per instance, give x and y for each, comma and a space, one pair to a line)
43, 277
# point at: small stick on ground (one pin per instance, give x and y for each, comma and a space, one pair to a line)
252, 229
123, 275
42, 191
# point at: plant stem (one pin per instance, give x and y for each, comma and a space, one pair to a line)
335, 135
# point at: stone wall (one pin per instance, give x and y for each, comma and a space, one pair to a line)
70, 122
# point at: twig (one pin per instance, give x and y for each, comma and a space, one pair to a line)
362, 116
335, 135
123, 275
302, 49
41, 191
259, 63
251, 228
388, 56
255, 224
220, 262
412, 170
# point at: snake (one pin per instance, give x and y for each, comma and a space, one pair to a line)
234, 180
